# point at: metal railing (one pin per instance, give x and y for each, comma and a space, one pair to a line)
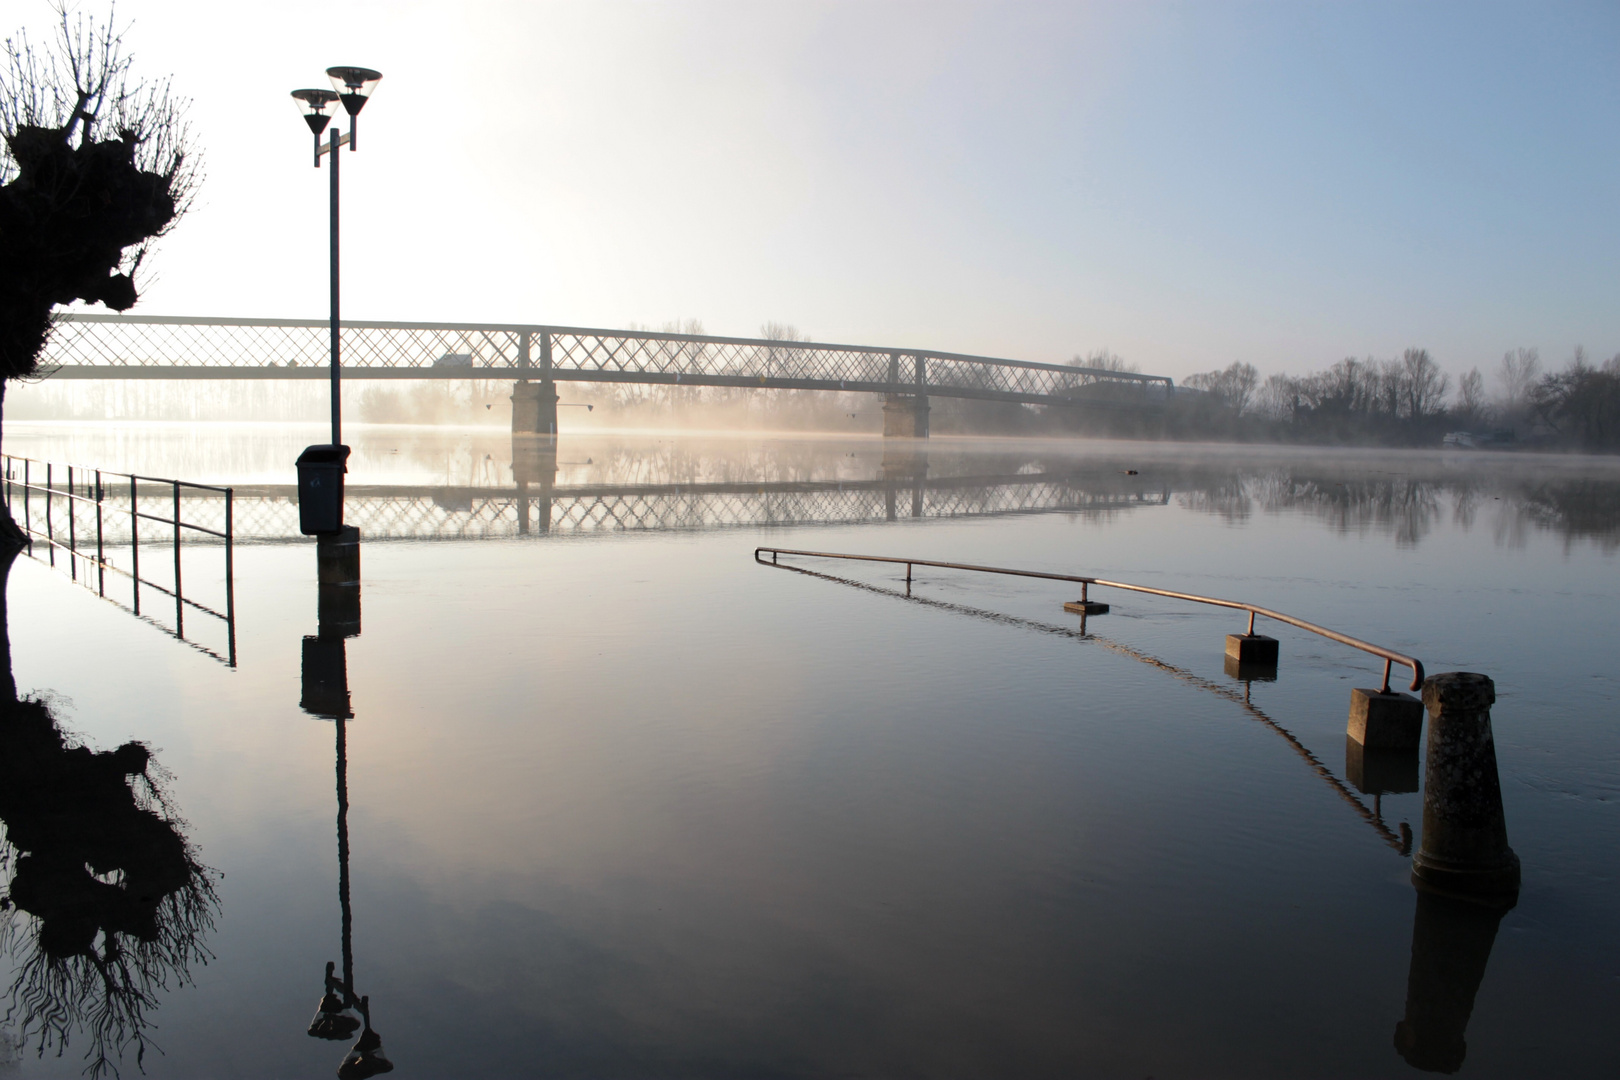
99, 346
89, 498
1389, 656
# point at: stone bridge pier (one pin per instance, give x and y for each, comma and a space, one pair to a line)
534, 408
534, 404
905, 412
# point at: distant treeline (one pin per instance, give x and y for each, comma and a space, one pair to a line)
1400, 402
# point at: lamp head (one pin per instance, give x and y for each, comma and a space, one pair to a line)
317, 107
353, 85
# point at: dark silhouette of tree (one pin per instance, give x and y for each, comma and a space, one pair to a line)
96, 165
1582, 403
103, 903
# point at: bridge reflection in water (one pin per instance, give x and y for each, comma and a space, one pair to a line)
536, 505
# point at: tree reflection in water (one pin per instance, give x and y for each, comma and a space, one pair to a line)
105, 905
1408, 507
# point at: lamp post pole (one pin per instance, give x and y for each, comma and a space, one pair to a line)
321, 468
333, 143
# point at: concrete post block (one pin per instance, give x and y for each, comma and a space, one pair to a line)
1465, 850
1252, 649
1085, 607
337, 557
1385, 721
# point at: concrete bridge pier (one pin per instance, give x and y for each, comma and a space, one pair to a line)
905, 415
534, 408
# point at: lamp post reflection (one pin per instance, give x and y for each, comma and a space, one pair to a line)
326, 695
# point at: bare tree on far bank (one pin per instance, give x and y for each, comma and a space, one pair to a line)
97, 164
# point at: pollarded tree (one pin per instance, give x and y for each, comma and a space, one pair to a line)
96, 165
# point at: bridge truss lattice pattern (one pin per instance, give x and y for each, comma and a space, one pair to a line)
270, 514
134, 346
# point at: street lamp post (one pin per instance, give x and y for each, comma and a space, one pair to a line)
321, 468
353, 87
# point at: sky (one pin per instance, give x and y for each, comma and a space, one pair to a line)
1183, 184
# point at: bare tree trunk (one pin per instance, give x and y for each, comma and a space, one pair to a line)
8, 681
12, 538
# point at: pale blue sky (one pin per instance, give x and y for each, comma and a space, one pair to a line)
1186, 184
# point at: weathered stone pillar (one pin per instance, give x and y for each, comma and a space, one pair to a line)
1451, 946
905, 416
1465, 850
534, 408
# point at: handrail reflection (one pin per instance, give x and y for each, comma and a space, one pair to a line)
1401, 843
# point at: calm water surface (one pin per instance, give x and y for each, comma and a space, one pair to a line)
623, 803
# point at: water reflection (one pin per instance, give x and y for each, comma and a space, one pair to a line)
105, 904
1401, 842
1409, 506
1451, 946
427, 483
341, 1011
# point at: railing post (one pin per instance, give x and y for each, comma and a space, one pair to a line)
230, 578
101, 558
135, 541
73, 542
179, 605
28, 519
50, 530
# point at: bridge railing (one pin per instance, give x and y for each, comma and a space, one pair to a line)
89, 345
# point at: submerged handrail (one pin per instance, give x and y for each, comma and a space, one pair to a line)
1389, 656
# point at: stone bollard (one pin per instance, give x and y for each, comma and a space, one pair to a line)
337, 557
1465, 851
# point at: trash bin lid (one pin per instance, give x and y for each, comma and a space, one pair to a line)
324, 454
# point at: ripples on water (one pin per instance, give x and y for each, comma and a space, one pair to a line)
618, 801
